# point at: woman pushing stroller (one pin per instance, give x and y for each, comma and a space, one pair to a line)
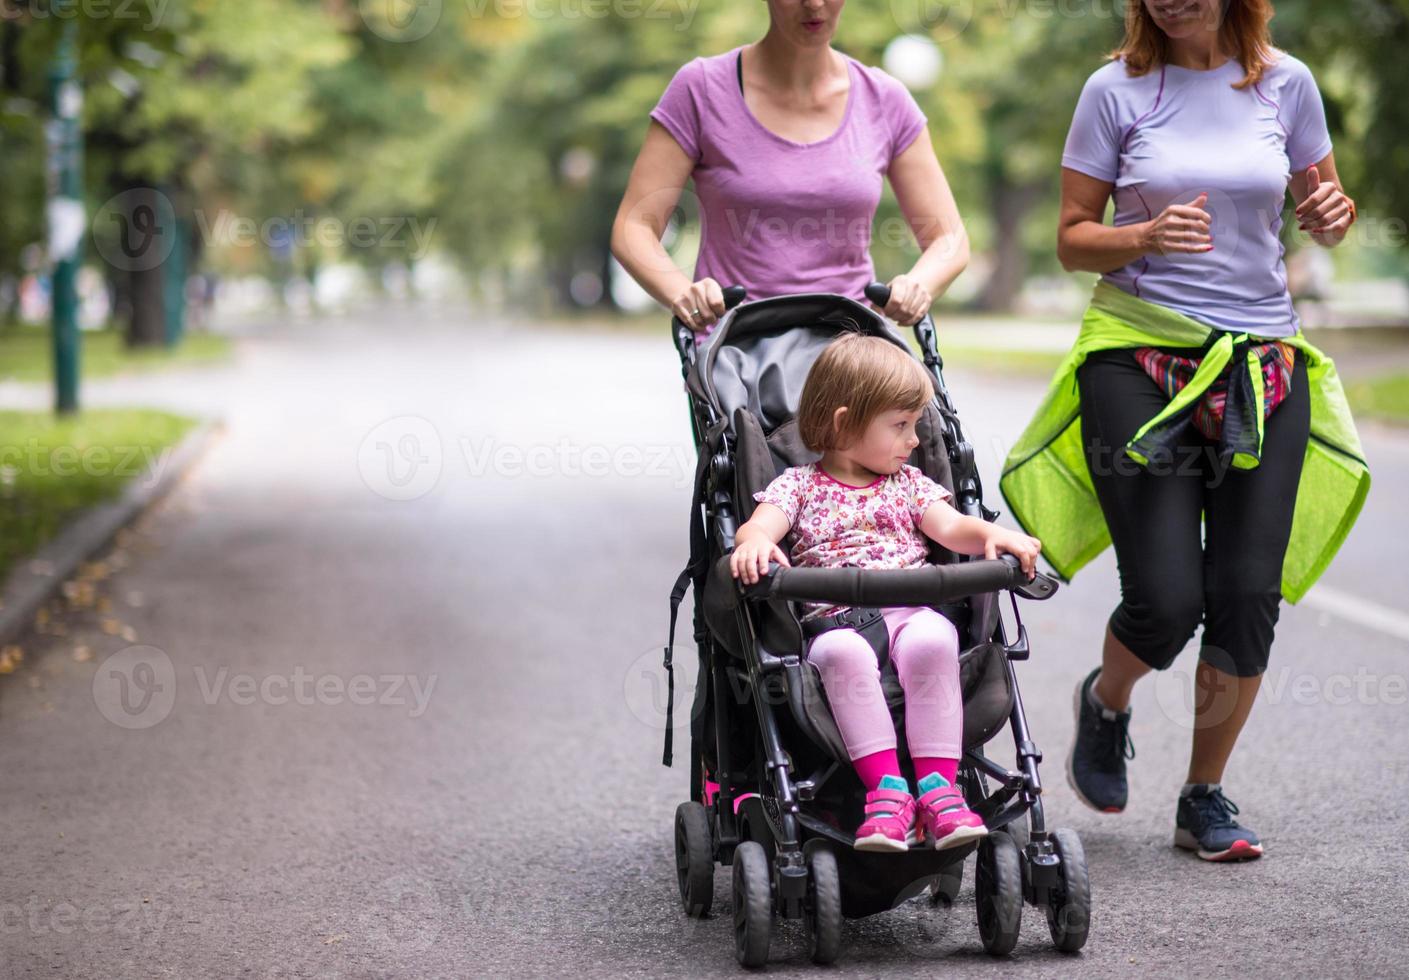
788, 143
862, 505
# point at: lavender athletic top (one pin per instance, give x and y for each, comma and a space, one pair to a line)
781, 217
1163, 137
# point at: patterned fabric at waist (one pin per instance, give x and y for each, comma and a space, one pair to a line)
1172, 372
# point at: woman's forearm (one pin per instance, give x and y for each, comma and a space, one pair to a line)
940, 264
1090, 246
639, 250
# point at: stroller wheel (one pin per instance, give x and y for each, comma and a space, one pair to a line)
694, 859
998, 890
821, 909
753, 904
1069, 904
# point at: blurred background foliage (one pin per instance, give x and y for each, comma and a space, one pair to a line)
508, 128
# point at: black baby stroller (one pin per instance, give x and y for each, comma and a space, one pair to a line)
772, 790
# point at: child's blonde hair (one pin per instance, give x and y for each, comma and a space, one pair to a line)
868, 375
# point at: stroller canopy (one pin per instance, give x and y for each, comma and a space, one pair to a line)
759, 355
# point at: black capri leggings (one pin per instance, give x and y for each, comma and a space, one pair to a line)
1194, 538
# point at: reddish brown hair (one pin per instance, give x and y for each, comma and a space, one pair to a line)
1243, 31
868, 376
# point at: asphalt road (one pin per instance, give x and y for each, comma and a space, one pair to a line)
381, 719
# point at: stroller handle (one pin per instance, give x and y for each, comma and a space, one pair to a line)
879, 295
684, 335
930, 585
733, 296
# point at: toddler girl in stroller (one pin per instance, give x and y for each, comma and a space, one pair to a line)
861, 505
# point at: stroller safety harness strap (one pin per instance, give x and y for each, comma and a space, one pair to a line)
677, 595
867, 621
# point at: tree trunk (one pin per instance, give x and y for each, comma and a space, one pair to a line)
1010, 205
147, 328
148, 234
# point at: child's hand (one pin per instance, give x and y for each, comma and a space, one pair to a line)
750, 559
1024, 547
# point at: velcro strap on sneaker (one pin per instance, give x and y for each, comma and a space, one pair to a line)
943, 799
887, 801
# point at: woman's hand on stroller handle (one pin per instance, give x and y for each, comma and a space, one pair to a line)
903, 299
702, 304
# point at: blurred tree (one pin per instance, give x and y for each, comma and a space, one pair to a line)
504, 137
1355, 50
173, 92
229, 87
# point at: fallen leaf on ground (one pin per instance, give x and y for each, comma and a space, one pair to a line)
94, 570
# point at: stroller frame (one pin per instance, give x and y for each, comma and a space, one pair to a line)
776, 870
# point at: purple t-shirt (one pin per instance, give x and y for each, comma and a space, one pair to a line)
777, 216
1163, 137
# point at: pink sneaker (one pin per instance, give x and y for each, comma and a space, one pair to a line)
944, 818
890, 818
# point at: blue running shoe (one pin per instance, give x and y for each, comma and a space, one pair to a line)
1204, 823
1096, 763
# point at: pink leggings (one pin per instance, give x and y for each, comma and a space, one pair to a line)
924, 647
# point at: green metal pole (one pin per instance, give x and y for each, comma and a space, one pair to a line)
66, 218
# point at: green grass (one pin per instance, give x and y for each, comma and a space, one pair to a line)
26, 353
1385, 397
52, 468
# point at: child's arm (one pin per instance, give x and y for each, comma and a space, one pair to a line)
756, 543
972, 536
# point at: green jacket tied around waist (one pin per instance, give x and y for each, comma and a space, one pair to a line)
1047, 483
